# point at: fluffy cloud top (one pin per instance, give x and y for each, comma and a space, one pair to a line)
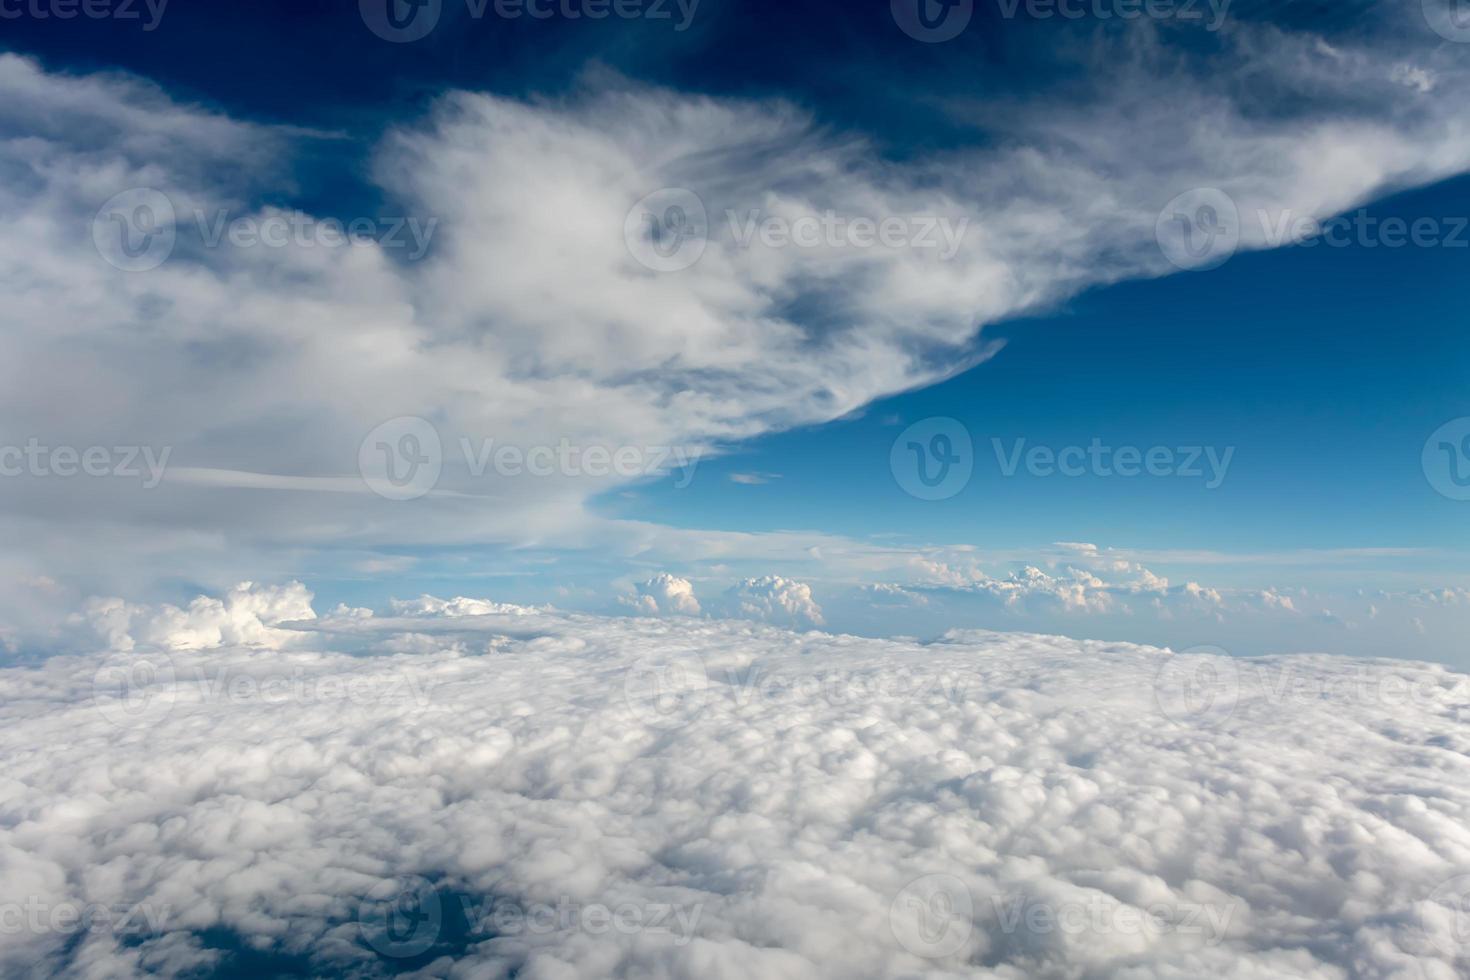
549, 796
665, 594
245, 617
774, 599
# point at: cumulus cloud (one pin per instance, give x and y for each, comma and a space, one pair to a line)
773, 599
759, 803
1085, 580
665, 594
246, 617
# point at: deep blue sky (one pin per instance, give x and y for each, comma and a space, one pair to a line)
1324, 368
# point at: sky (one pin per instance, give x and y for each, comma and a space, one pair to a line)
876, 321
582, 489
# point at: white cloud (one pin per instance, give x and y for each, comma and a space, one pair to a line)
667, 595
429, 606
773, 599
279, 361
245, 617
792, 795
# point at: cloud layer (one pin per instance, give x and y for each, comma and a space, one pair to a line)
466, 788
